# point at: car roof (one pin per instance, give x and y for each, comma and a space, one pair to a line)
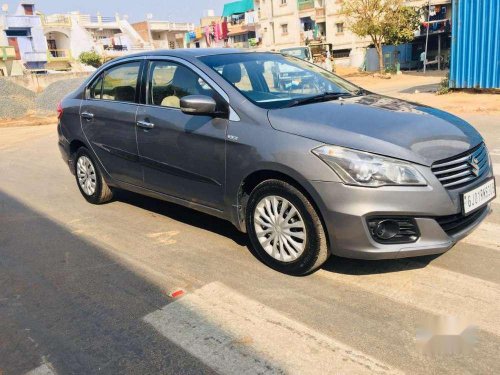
187, 52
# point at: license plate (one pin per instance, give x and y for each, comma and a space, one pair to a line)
479, 196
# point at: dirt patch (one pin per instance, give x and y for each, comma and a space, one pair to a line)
29, 120
420, 88
458, 103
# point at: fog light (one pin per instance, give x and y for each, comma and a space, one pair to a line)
386, 229
393, 230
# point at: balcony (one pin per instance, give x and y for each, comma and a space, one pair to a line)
240, 29
56, 20
24, 22
171, 26
59, 55
305, 4
34, 57
7, 53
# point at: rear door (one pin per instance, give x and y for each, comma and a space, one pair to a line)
183, 155
108, 117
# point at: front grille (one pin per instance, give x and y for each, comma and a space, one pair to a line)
461, 170
453, 224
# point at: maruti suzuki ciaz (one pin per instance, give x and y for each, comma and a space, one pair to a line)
303, 161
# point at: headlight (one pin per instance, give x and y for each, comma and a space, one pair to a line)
365, 169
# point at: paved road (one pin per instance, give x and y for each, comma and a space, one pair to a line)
85, 289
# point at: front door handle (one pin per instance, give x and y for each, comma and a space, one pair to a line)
145, 124
87, 115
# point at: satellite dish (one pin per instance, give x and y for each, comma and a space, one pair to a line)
5, 8
149, 16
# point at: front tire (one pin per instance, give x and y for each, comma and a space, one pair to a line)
284, 228
89, 178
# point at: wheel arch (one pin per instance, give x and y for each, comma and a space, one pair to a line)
256, 177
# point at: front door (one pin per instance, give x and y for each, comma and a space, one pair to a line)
182, 155
108, 117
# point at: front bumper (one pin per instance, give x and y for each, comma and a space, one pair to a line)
345, 210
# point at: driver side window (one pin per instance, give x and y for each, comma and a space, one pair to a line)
170, 82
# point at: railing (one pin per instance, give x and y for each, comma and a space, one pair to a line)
59, 55
305, 4
7, 53
88, 20
171, 26
56, 20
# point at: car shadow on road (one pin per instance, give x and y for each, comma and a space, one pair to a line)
66, 299
224, 228
370, 267
183, 214
432, 88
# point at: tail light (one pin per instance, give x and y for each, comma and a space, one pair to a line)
59, 110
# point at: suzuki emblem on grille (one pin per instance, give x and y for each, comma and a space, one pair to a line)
474, 163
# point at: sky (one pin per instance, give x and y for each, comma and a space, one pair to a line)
169, 10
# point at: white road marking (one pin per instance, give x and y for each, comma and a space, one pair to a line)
486, 235
433, 289
45, 369
496, 169
236, 335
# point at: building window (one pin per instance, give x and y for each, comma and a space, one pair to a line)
283, 2
284, 28
28, 9
18, 32
340, 28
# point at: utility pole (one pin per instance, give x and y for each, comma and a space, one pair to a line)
427, 35
272, 23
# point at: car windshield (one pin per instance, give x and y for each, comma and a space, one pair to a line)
301, 53
272, 80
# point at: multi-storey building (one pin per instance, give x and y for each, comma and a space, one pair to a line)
241, 20
68, 35
290, 23
22, 31
164, 34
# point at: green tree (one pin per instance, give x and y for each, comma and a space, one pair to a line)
384, 21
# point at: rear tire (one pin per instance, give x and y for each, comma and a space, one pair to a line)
89, 178
284, 228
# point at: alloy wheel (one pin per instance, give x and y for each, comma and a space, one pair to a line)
86, 175
280, 228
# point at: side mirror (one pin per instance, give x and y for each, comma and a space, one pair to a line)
199, 105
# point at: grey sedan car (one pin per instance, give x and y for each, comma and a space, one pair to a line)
303, 161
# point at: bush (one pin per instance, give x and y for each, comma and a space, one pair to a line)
444, 86
91, 58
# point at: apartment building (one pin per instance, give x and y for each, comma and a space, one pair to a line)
68, 35
290, 23
240, 18
165, 34
22, 32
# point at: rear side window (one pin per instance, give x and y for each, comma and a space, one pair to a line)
120, 82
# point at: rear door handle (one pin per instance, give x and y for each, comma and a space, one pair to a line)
145, 124
87, 115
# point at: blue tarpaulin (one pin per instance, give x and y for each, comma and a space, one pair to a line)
237, 7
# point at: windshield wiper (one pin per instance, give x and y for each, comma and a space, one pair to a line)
326, 96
